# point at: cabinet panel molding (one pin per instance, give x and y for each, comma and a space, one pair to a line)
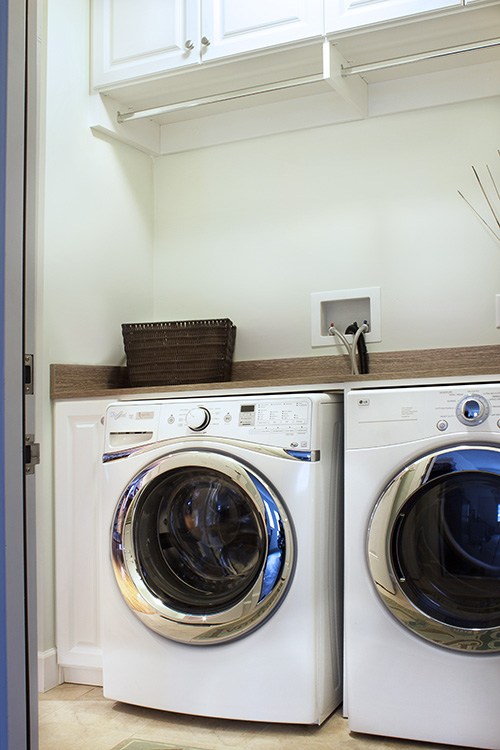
237, 26
350, 14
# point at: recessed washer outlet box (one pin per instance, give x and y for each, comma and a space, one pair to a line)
342, 308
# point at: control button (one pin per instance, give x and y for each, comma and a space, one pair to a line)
228, 418
473, 410
198, 418
171, 419
442, 425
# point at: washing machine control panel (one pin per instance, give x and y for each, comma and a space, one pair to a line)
280, 421
284, 422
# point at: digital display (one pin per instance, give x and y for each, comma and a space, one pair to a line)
247, 408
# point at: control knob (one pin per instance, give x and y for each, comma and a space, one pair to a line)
473, 410
198, 418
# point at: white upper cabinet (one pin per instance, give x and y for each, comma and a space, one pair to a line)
236, 26
138, 38
350, 14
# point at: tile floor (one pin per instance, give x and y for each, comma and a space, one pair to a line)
77, 717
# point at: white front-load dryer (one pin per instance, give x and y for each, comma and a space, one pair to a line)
422, 585
221, 556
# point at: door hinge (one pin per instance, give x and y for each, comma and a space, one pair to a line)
28, 374
31, 454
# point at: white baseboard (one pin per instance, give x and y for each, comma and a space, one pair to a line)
50, 674
48, 670
81, 675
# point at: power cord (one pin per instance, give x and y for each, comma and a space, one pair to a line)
362, 350
358, 345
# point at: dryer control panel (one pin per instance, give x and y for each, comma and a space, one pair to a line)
378, 417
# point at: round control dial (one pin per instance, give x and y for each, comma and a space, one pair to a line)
198, 418
473, 410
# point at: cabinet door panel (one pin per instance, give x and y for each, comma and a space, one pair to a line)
79, 437
347, 14
132, 38
238, 26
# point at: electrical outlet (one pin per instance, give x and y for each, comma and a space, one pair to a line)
343, 308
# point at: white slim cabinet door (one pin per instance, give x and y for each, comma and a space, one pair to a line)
233, 27
78, 447
351, 14
139, 38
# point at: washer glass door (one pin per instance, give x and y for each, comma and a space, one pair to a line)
434, 547
202, 547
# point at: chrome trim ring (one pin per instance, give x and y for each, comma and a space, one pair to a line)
255, 605
388, 510
268, 450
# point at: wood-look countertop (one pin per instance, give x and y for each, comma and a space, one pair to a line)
328, 372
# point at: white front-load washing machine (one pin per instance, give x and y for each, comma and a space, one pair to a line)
422, 585
221, 567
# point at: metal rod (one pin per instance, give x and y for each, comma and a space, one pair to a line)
357, 69
228, 96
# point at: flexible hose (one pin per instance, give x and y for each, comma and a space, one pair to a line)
352, 356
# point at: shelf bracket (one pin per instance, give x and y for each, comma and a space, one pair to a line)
353, 90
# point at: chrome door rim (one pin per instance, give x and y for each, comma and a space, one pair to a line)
386, 510
240, 619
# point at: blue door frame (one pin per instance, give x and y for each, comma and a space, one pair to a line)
3, 124
17, 729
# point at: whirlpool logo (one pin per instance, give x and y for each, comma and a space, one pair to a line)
117, 414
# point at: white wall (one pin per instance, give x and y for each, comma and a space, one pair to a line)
95, 265
248, 230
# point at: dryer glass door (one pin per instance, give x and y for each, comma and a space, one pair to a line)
434, 547
202, 547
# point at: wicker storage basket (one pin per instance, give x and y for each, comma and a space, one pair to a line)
179, 352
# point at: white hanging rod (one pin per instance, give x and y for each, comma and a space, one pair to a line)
226, 97
391, 63
294, 82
